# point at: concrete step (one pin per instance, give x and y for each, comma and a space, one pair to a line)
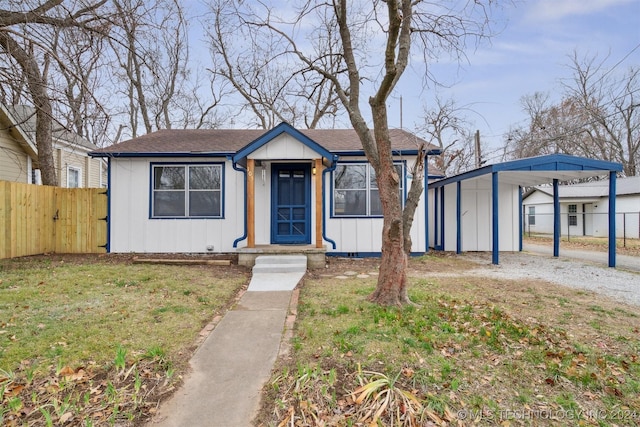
280, 264
281, 259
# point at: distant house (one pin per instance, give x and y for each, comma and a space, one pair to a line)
584, 208
246, 191
19, 153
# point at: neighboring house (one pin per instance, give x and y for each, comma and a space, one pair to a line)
481, 210
584, 208
195, 191
19, 153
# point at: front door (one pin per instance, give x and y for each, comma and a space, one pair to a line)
291, 204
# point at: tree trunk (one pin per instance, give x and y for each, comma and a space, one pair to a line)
42, 103
392, 281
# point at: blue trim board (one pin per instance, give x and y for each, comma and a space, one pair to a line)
222, 190
425, 194
459, 217
366, 254
108, 246
552, 162
556, 219
520, 219
612, 219
165, 154
276, 131
442, 212
495, 217
244, 215
329, 170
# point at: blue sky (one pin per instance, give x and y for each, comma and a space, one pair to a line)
529, 54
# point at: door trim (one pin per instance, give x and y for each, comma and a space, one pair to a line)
276, 168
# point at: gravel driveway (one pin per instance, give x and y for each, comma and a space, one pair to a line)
620, 284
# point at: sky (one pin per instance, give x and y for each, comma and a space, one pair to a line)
530, 53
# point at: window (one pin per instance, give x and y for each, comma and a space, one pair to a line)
355, 191
193, 191
532, 215
73, 177
573, 219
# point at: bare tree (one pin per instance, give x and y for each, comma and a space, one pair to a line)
611, 102
273, 85
445, 127
598, 117
21, 29
370, 54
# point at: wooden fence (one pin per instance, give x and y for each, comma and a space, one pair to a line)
36, 219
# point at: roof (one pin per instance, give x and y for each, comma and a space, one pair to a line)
537, 170
11, 123
595, 189
24, 119
231, 141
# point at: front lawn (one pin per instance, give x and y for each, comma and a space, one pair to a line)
472, 351
98, 340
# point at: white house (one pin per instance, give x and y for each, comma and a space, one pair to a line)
481, 210
251, 191
584, 208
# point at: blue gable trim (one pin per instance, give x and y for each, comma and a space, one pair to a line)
276, 131
552, 162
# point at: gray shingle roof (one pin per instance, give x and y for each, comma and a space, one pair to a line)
624, 186
229, 141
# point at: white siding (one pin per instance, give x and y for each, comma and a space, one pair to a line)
477, 216
364, 235
133, 231
284, 147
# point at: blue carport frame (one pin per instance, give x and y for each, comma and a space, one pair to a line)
528, 172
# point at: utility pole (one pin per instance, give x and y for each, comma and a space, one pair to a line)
478, 153
401, 112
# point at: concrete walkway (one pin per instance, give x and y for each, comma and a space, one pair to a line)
235, 360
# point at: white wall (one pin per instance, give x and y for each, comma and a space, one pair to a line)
596, 219
477, 216
131, 229
364, 235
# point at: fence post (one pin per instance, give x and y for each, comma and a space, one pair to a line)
624, 229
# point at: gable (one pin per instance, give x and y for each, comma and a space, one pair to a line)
284, 147
285, 136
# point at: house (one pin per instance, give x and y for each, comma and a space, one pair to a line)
481, 210
251, 191
19, 153
584, 208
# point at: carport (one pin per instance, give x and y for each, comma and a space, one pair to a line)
481, 210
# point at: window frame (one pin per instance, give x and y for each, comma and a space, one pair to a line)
531, 215
74, 169
186, 190
367, 188
573, 215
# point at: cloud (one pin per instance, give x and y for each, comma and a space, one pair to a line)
543, 10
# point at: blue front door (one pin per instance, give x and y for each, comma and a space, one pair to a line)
290, 204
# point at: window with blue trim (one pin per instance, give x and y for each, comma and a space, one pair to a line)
189, 191
355, 190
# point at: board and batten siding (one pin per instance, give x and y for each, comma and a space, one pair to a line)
364, 235
132, 229
476, 212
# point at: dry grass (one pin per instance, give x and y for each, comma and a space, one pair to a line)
97, 340
475, 351
629, 247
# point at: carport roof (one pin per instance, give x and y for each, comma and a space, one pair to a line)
537, 170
